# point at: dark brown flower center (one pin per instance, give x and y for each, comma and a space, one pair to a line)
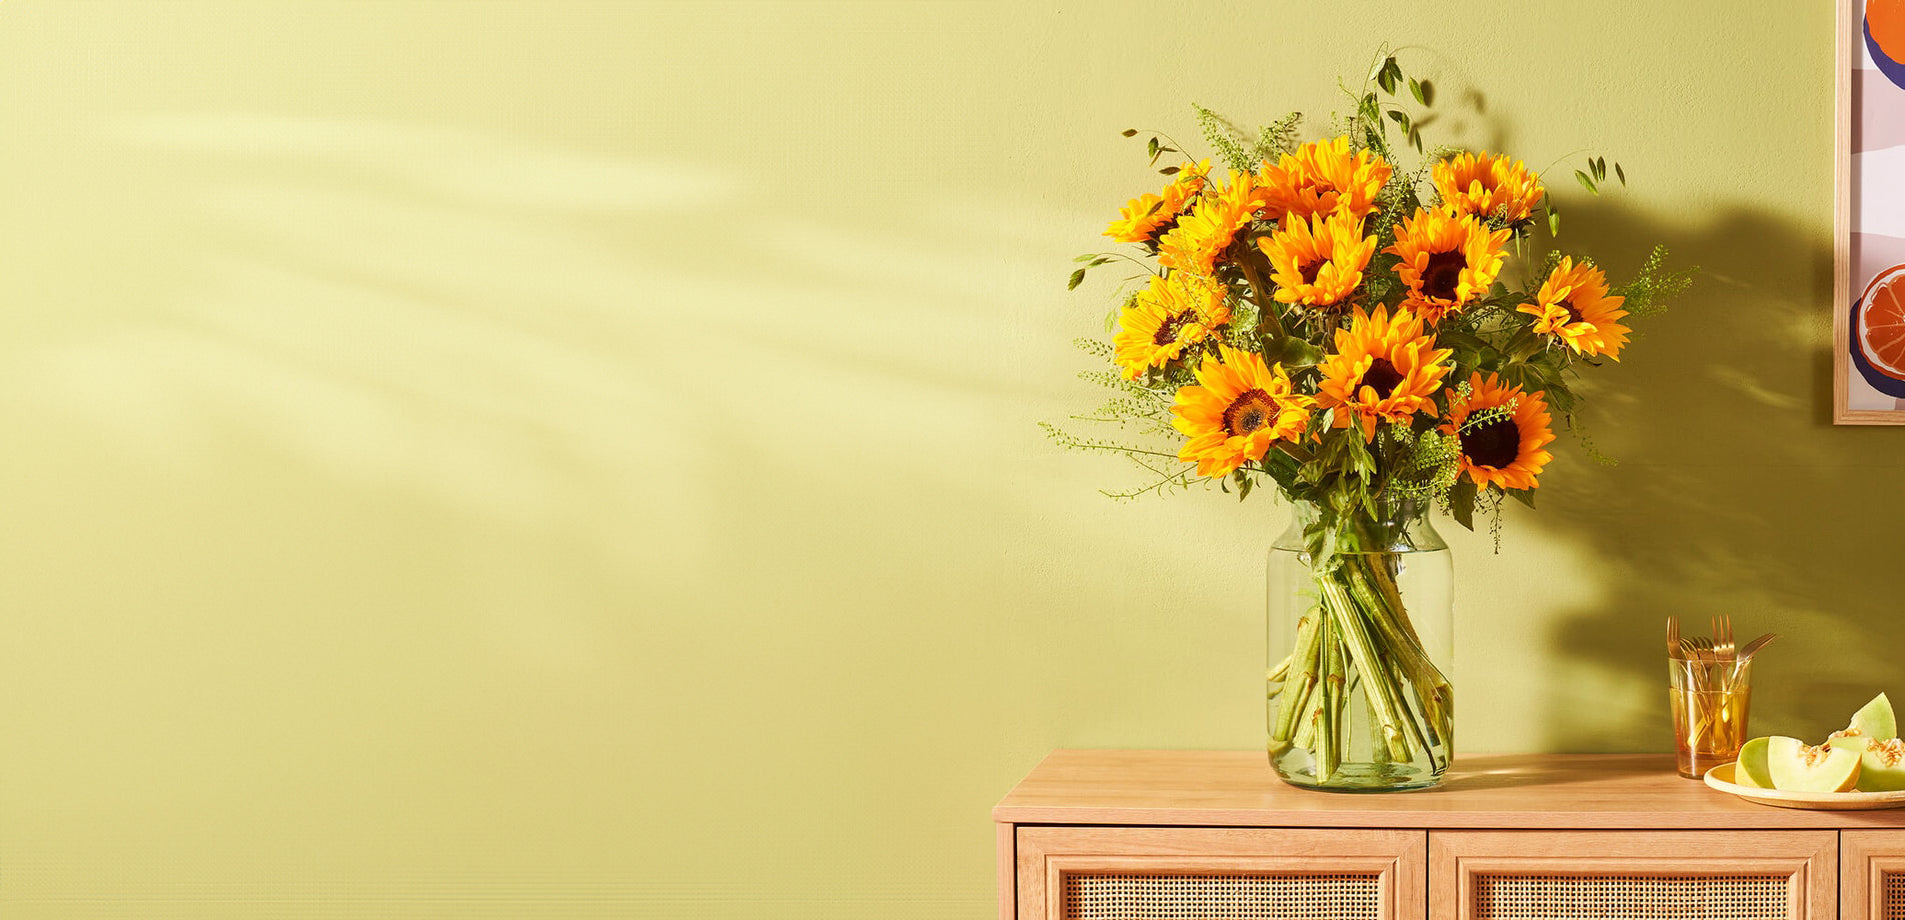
1382, 377
1169, 329
1574, 314
1251, 410
1309, 270
1495, 443
1443, 274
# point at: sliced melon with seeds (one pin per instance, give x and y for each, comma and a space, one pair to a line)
1881, 763
1796, 766
1874, 720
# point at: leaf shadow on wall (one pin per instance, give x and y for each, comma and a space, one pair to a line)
1733, 495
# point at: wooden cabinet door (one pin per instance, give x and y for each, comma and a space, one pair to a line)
1131, 873
1633, 875
1872, 875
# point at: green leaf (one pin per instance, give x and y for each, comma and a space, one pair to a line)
1291, 352
1169, 170
1129, 132
1554, 221
1415, 89
1398, 117
1599, 166
1078, 277
1525, 496
1586, 182
1620, 173
1386, 78
1415, 138
1462, 502
1153, 147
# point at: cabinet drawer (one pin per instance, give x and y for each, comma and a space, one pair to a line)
1129, 873
1633, 875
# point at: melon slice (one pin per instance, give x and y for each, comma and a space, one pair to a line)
1881, 763
1874, 720
1751, 768
1796, 766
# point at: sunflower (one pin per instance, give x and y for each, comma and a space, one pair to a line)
1384, 369
1175, 312
1318, 261
1504, 446
1448, 261
1238, 408
1573, 305
1325, 177
1201, 236
1487, 185
1141, 219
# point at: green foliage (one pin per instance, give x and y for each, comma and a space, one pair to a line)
1648, 294
1237, 149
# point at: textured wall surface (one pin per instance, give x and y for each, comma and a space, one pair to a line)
580, 459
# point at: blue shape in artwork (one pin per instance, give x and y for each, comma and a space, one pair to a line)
1893, 70
1889, 386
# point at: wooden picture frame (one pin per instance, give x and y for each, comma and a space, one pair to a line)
1868, 358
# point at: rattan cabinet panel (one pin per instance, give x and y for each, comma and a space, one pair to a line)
1872, 875
1646, 875
1076, 873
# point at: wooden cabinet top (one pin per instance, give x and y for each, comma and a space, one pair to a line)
1238, 789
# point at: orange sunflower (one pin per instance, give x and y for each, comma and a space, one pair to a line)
1504, 446
1384, 369
1487, 185
1318, 261
1573, 305
1448, 261
1174, 313
1325, 177
1239, 407
1143, 217
1201, 236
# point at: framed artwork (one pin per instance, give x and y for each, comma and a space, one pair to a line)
1868, 326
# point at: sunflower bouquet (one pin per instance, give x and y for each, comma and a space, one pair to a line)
1373, 340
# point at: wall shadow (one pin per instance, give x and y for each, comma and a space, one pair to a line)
1734, 493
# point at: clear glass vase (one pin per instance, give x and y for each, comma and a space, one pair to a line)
1360, 627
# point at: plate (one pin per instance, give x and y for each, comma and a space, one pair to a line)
1721, 778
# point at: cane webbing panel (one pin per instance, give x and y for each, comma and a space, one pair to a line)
1222, 897
1894, 897
1632, 897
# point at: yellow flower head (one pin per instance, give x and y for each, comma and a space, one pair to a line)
1384, 369
1200, 237
1238, 408
1448, 261
1573, 306
1487, 185
1318, 261
1502, 432
1144, 216
1174, 313
1325, 177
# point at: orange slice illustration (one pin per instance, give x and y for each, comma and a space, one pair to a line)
1882, 323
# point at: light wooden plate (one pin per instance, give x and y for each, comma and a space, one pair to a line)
1721, 778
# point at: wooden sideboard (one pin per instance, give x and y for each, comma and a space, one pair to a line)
1213, 835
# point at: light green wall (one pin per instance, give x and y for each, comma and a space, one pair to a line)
579, 459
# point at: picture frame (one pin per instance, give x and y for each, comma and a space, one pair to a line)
1868, 325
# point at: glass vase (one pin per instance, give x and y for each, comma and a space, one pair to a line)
1360, 626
